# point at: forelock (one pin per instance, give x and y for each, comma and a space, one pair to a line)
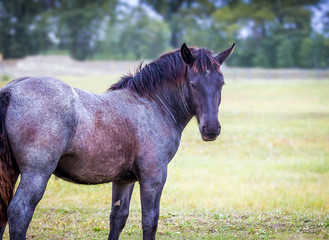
204, 60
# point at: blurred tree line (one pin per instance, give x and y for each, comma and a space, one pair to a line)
270, 34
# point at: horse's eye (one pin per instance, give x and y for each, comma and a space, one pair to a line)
194, 86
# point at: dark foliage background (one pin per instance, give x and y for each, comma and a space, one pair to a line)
269, 34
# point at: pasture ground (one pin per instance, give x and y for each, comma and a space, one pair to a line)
266, 177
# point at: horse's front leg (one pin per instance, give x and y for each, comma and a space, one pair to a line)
150, 191
121, 195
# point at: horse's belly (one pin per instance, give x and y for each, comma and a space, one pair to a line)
91, 171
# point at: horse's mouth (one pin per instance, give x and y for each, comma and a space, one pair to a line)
208, 138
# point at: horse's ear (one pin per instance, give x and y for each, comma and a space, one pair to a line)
221, 57
186, 54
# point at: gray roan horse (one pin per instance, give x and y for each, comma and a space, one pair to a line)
128, 134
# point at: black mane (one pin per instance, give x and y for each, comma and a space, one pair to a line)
168, 68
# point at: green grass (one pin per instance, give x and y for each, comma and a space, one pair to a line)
266, 177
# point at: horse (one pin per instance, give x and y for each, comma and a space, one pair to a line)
129, 133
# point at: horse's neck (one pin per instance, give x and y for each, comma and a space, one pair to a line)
176, 103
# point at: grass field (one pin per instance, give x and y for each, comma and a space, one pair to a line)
266, 177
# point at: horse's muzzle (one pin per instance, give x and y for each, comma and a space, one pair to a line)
210, 132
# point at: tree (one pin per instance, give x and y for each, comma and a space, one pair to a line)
174, 12
268, 33
25, 25
279, 29
21, 28
144, 37
79, 22
305, 55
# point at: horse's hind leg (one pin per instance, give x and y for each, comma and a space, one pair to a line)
27, 196
121, 195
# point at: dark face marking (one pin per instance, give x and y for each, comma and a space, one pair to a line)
205, 82
205, 91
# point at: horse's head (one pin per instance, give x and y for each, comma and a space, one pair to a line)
205, 82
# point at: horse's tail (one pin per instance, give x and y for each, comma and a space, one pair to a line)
8, 168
